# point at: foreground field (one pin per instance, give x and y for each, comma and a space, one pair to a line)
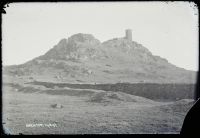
31, 110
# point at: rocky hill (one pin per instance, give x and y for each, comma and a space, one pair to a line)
84, 59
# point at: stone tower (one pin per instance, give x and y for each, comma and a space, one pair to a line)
129, 34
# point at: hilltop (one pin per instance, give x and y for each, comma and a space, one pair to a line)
82, 58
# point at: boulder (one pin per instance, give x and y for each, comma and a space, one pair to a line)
57, 106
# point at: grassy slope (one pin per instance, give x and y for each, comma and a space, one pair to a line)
85, 114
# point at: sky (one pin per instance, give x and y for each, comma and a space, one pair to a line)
167, 29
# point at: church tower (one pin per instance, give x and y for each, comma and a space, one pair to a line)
129, 34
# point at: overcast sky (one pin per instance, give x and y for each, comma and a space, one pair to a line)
169, 30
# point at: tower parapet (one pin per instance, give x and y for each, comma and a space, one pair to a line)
129, 34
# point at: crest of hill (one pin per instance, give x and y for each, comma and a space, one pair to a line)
81, 46
116, 59
71, 46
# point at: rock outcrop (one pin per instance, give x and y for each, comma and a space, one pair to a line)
83, 57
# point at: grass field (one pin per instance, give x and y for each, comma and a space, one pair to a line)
27, 109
